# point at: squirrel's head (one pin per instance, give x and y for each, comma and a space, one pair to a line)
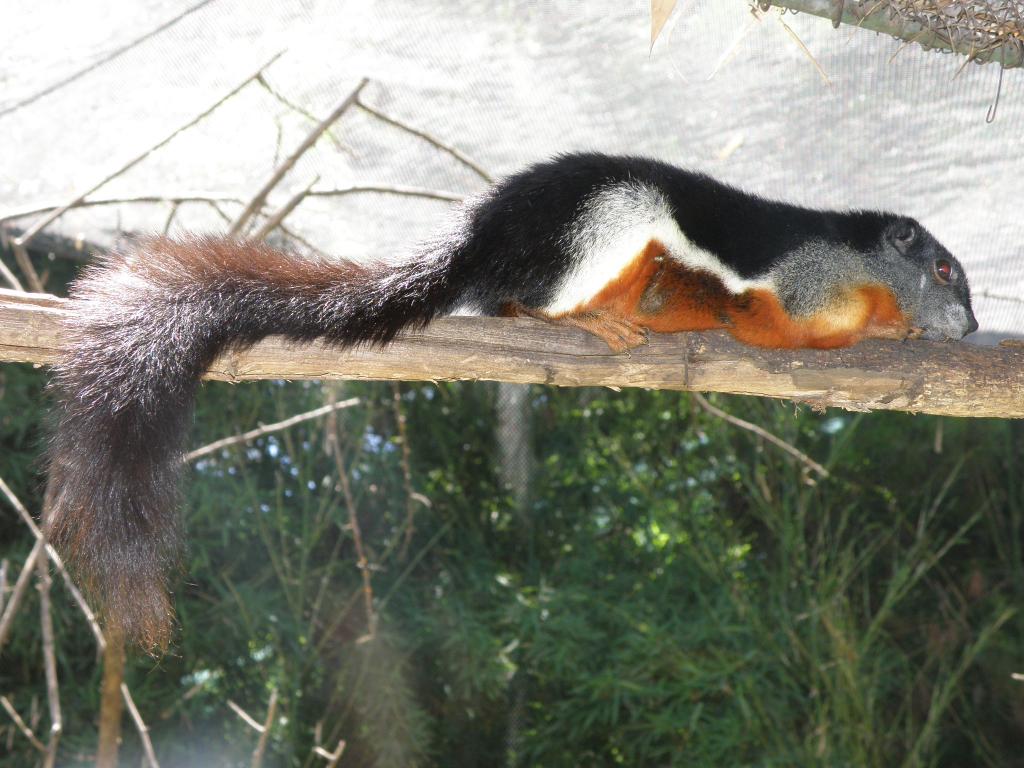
932, 286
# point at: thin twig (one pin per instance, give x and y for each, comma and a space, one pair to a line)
83, 606
140, 725
4, 564
314, 612
5, 271
219, 211
332, 758
795, 452
108, 57
18, 593
10, 277
261, 745
49, 663
131, 200
806, 51
252, 434
170, 217
265, 84
357, 535
22, 726
293, 235
56, 214
411, 497
457, 154
249, 720
25, 265
389, 189
58, 563
258, 199
281, 213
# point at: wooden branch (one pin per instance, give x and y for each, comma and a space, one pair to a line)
954, 379
878, 17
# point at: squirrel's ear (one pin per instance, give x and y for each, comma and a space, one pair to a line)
902, 235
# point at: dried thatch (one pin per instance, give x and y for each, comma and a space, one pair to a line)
982, 30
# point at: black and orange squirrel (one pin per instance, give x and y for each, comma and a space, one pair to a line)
616, 245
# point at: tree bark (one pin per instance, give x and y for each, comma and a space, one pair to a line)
954, 379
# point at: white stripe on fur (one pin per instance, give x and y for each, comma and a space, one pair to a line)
614, 227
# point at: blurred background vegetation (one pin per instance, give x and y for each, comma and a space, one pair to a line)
644, 585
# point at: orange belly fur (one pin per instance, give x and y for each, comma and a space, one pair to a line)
662, 295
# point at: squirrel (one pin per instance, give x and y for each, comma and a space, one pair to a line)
618, 246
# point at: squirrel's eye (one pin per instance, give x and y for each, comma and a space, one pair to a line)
943, 271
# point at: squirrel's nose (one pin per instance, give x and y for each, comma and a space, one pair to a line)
972, 323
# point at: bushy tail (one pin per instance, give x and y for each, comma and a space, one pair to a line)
144, 324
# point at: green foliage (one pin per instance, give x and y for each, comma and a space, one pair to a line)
677, 593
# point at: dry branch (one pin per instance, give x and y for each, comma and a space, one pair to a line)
762, 433
5, 272
58, 563
266, 429
49, 664
332, 758
435, 142
58, 212
268, 723
106, 58
263, 730
988, 39
13, 214
140, 726
390, 189
25, 265
18, 593
954, 379
275, 220
362, 562
256, 203
22, 725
